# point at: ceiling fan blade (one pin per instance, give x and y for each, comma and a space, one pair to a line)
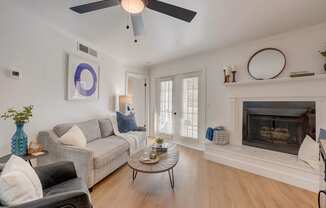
172, 10
137, 24
94, 6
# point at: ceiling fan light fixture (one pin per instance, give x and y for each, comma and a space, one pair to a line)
133, 6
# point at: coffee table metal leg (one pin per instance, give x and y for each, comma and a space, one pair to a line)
134, 175
171, 177
30, 163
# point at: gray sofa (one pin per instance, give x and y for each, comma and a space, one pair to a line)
105, 152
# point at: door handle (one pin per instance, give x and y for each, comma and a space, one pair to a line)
175, 113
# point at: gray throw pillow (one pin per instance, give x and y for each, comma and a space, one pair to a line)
106, 127
91, 129
61, 129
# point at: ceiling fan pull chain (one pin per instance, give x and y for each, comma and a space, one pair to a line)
128, 22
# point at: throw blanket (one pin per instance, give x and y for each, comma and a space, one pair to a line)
134, 138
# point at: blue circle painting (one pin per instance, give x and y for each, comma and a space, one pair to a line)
77, 78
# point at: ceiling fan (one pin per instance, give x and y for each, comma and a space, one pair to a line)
135, 9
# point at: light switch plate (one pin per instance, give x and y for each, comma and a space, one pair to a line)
15, 73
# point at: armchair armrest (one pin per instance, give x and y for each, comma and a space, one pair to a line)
73, 199
56, 173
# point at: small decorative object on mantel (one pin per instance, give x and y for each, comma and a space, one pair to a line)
301, 74
323, 53
233, 75
19, 139
229, 73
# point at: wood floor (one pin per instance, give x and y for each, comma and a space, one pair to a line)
198, 184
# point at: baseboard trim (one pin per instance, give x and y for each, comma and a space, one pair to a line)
198, 147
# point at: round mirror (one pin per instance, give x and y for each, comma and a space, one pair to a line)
267, 63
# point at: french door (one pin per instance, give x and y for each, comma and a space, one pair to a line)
179, 107
166, 107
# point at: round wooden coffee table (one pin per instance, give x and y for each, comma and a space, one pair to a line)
167, 162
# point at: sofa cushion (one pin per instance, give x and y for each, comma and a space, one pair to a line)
107, 149
106, 127
90, 128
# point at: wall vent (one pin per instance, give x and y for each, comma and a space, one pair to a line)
85, 49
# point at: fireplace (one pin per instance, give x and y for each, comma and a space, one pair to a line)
278, 126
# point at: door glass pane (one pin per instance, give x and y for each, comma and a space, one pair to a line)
189, 117
166, 114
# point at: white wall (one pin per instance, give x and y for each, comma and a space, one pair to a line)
301, 48
40, 52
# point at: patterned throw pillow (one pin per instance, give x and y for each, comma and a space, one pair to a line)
126, 123
322, 134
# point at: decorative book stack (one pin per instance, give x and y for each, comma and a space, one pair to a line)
301, 74
160, 148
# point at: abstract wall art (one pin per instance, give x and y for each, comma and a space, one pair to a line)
83, 78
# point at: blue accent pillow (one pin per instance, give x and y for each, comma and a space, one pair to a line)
126, 123
322, 134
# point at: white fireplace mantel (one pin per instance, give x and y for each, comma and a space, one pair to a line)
279, 166
277, 80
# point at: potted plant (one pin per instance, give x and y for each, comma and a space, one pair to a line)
19, 139
159, 141
323, 53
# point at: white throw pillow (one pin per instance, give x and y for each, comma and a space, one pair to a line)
74, 137
309, 152
16, 163
16, 188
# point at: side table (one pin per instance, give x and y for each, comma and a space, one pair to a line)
27, 158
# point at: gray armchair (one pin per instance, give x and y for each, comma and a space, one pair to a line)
62, 188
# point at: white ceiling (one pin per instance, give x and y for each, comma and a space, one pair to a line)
217, 24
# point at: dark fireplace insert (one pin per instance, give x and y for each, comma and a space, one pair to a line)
279, 126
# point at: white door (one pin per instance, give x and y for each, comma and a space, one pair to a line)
180, 113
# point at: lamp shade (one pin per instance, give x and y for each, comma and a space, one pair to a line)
124, 102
